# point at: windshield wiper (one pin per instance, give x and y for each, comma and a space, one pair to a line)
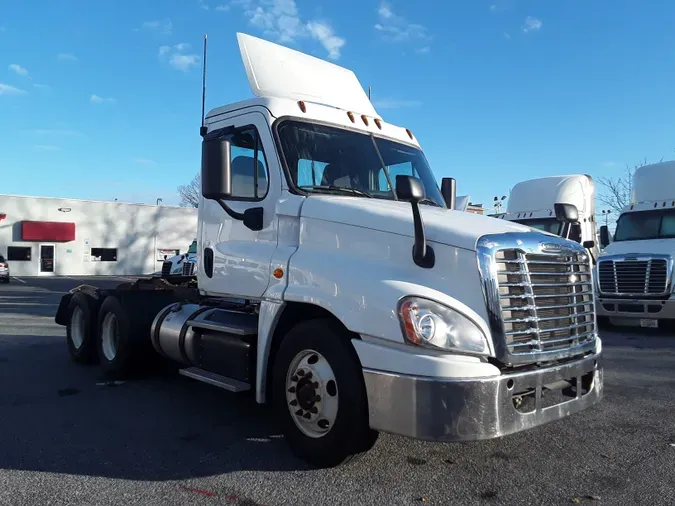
347, 189
427, 200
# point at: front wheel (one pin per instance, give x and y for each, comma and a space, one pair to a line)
320, 395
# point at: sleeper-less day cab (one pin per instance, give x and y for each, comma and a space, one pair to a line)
635, 270
365, 308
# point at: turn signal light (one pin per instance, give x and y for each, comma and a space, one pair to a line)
303, 108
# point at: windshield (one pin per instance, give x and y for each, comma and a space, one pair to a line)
323, 159
193, 247
550, 225
638, 226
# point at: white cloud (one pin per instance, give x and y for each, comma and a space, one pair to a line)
144, 161
280, 20
392, 103
66, 57
203, 5
395, 28
532, 24
423, 50
95, 99
164, 26
184, 62
6, 89
177, 57
507, 35
46, 147
324, 34
223, 8
493, 7
18, 69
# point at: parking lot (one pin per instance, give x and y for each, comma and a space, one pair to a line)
68, 437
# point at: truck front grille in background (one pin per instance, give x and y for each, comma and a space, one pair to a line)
639, 276
166, 268
546, 300
188, 269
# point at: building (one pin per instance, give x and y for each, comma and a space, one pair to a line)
52, 236
475, 208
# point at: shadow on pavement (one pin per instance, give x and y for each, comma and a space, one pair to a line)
65, 418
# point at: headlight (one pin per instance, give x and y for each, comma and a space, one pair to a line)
428, 323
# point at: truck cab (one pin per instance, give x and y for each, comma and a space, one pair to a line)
182, 264
635, 269
559, 205
337, 281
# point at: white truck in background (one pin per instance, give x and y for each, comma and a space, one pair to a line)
369, 303
182, 264
635, 269
560, 205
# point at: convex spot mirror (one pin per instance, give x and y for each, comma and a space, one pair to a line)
566, 213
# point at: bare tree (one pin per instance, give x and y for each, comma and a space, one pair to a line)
190, 193
619, 190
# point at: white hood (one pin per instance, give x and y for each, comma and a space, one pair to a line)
656, 246
443, 226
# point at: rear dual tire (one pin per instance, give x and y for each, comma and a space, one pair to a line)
81, 330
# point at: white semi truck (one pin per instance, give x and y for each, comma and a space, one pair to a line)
183, 264
635, 270
336, 282
560, 205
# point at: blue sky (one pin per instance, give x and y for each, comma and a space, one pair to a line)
102, 99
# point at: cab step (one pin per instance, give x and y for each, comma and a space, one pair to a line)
214, 379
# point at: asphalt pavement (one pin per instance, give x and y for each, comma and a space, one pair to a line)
68, 437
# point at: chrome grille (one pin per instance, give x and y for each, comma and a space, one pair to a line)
188, 269
166, 268
540, 296
635, 276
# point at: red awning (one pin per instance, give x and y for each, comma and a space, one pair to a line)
56, 231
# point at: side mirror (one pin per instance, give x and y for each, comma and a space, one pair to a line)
604, 235
589, 244
216, 171
449, 192
566, 213
409, 189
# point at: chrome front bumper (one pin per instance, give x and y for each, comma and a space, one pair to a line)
478, 408
630, 311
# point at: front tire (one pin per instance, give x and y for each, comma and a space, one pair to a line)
320, 395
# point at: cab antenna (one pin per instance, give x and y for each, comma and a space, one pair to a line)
203, 129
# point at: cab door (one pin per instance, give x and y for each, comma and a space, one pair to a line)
235, 260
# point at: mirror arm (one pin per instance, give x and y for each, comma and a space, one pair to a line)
233, 214
423, 254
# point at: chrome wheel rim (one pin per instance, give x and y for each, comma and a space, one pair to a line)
312, 393
109, 336
77, 327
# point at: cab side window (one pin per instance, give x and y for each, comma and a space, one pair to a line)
575, 232
250, 177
